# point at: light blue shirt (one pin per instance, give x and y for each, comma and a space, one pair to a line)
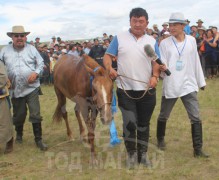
20, 64
187, 29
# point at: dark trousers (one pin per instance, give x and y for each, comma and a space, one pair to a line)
136, 118
20, 108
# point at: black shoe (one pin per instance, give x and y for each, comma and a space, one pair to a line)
200, 154
19, 134
143, 159
132, 161
37, 130
161, 144
19, 139
41, 145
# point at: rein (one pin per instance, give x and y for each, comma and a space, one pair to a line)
146, 90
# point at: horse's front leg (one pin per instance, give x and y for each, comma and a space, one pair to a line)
91, 124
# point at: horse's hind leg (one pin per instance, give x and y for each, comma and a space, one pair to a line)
61, 111
81, 127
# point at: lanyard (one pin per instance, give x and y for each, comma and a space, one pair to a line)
180, 53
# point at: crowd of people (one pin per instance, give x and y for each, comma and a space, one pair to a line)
207, 44
179, 46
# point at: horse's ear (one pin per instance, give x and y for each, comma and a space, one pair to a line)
89, 70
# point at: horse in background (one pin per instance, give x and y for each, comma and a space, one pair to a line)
85, 82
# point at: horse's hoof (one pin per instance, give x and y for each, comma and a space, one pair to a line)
94, 163
83, 139
71, 138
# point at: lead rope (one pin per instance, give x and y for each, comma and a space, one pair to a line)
146, 90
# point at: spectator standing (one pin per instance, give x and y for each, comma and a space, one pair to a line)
53, 42
165, 28
59, 40
44, 79
187, 28
210, 54
179, 53
73, 50
88, 47
97, 52
37, 42
200, 22
24, 64
156, 30
105, 36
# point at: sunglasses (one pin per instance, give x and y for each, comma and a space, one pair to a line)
19, 35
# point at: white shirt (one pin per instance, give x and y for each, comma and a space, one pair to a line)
133, 62
190, 78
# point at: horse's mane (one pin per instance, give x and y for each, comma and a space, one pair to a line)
91, 63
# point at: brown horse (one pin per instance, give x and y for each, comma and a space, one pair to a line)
72, 80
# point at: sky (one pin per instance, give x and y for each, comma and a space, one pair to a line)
87, 19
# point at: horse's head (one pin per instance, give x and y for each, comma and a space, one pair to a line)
102, 92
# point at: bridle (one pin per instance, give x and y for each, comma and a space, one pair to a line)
91, 80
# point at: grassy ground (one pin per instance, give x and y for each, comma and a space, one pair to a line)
70, 159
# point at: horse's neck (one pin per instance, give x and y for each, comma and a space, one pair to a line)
91, 63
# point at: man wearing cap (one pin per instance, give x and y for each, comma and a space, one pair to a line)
179, 53
165, 28
200, 22
53, 42
37, 42
187, 28
156, 30
24, 64
59, 40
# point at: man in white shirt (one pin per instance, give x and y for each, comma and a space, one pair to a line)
179, 54
128, 48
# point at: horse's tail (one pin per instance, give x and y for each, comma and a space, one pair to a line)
57, 116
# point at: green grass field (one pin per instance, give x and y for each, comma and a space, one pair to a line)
70, 159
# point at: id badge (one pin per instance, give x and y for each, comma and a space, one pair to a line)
179, 65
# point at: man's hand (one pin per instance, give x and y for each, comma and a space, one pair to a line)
33, 76
153, 82
163, 67
112, 73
